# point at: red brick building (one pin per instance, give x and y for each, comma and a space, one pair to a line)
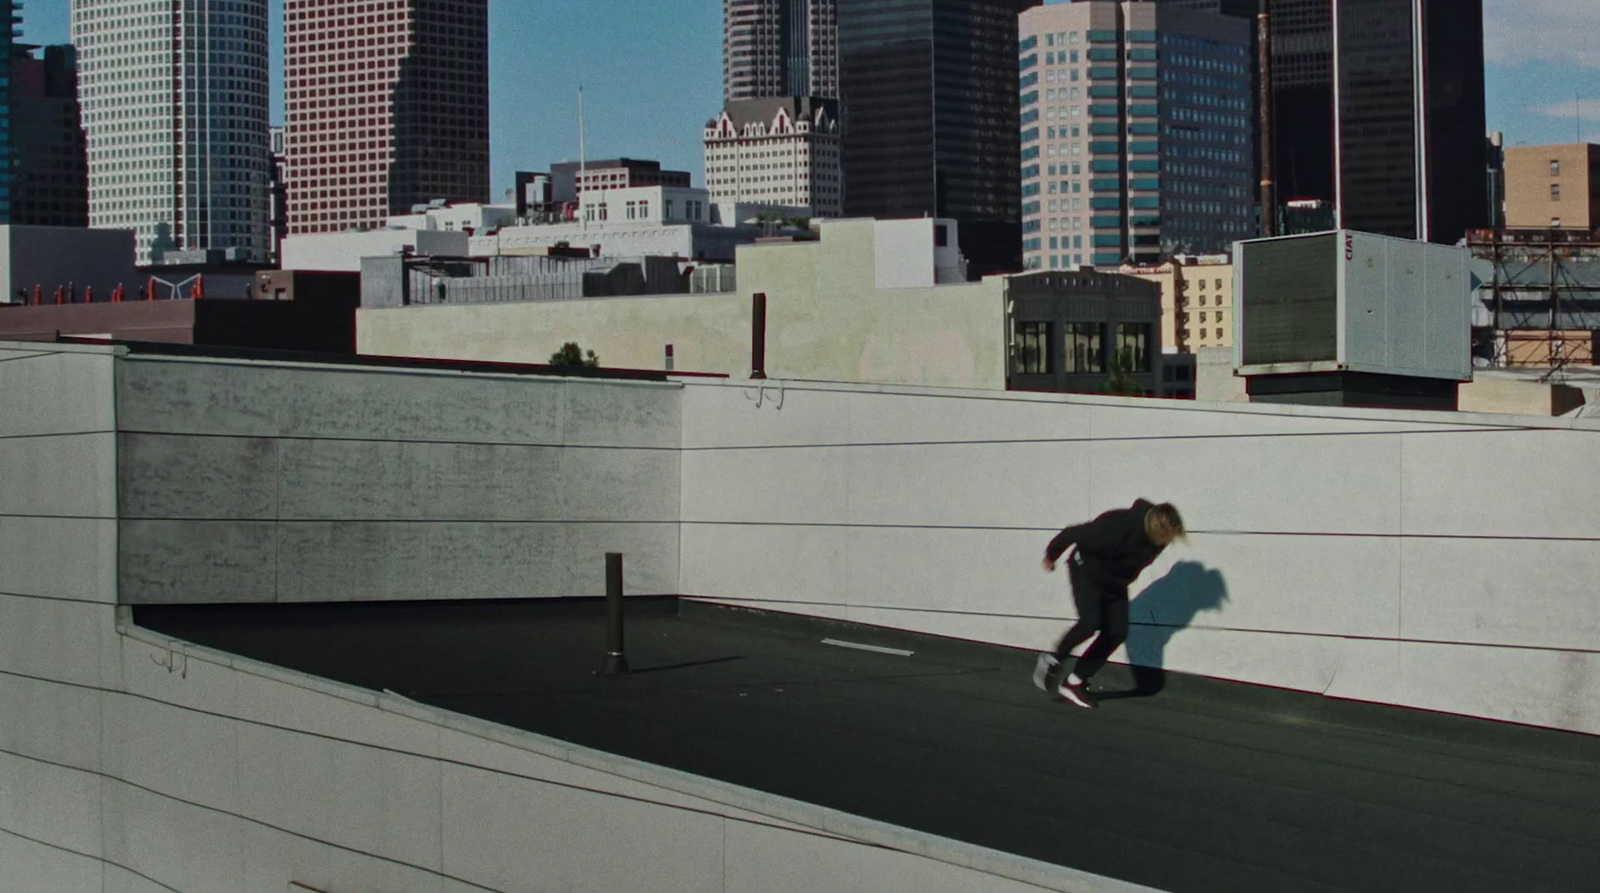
387, 107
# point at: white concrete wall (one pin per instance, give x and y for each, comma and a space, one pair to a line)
342, 252
1435, 560
131, 763
243, 482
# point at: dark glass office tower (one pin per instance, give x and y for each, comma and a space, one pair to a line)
50, 155
1406, 168
929, 91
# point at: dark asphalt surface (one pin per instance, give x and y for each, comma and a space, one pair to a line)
1200, 787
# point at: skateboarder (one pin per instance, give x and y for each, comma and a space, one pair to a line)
1111, 551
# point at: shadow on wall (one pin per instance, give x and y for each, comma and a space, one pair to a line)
1164, 608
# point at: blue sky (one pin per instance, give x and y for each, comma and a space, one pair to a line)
652, 75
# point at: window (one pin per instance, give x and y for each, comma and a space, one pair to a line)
1032, 348
1555, 223
1555, 192
1133, 346
1083, 343
1555, 167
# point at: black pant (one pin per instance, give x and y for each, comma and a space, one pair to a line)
1103, 608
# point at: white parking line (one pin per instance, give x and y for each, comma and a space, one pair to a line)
859, 647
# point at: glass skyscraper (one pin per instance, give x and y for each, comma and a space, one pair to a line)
174, 98
9, 20
929, 96
1390, 128
1135, 132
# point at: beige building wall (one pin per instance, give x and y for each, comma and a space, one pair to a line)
1196, 303
1553, 187
1166, 277
826, 319
1205, 305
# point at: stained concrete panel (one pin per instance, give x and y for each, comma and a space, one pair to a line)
366, 560
269, 400
71, 558
399, 480
166, 476
608, 413
619, 485
66, 475
169, 562
649, 558
339, 561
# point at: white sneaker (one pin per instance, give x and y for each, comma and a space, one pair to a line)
1077, 693
1042, 671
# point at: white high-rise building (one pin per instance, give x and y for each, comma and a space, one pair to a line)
782, 152
174, 98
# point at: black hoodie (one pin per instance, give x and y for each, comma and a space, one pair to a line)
1114, 546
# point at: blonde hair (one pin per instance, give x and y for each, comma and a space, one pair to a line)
1166, 515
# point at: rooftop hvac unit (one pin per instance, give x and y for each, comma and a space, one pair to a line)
1345, 301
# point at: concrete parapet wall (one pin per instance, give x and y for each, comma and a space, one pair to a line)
273, 482
134, 763
1376, 555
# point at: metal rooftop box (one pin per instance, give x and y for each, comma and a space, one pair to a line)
1346, 301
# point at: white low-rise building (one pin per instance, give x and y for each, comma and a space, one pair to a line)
467, 217
342, 252
666, 221
779, 151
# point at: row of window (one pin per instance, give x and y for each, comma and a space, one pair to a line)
1082, 347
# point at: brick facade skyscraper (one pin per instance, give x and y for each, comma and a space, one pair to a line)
388, 107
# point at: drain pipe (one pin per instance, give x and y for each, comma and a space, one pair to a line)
758, 335
616, 654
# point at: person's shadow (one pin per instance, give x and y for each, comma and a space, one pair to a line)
1158, 613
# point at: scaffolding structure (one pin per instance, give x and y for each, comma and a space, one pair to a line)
1541, 306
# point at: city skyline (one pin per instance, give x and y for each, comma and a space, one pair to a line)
1534, 50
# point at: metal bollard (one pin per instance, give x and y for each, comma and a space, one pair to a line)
616, 654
